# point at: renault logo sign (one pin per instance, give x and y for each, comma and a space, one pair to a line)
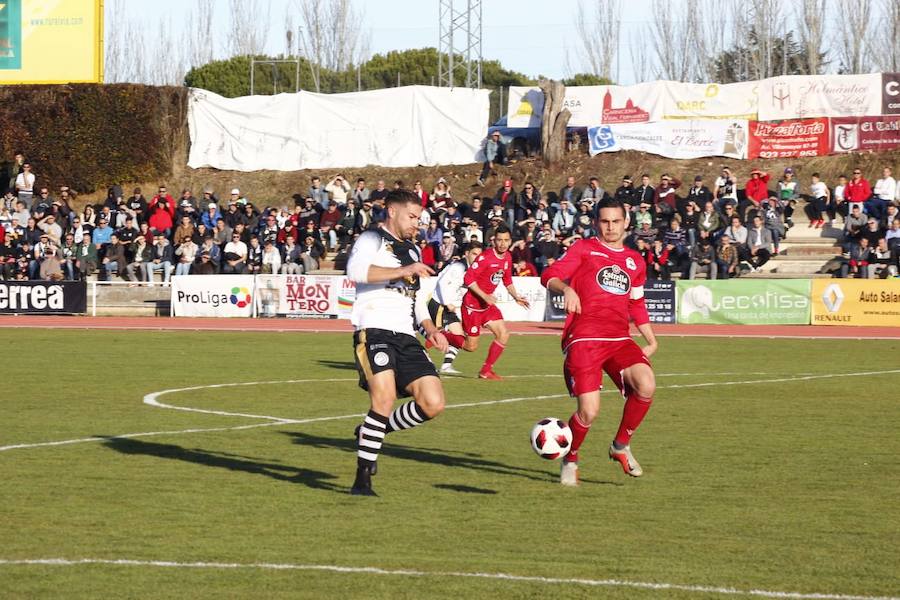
833, 297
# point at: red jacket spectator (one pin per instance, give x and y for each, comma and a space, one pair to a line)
162, 213
524, 269
665, 192
286, 231
857, 190
428, 256
330, 218
757, 187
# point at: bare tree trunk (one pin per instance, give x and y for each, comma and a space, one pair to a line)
200, 33
250, 20
885, 44
598, 35
811, 26
711, 42
555, 119
856, 16
640, 62
673, 39
332, 35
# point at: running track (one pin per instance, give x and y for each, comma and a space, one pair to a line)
333, 325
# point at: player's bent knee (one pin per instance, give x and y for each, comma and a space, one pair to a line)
429, 395
471, 344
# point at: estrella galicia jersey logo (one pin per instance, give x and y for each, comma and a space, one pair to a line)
614, 280
497, 278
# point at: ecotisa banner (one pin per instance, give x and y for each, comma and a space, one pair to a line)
872, 134
856, 302
744, 302
212, 295
673, 139
786, 139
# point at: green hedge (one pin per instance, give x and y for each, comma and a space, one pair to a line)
90, 136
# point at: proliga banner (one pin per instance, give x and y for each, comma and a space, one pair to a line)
744, 302
673, 139
856, 302
43, 297
785, 139
212, 295
872, 134
804, 96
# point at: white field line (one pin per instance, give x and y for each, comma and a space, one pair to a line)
152, 400
619, 583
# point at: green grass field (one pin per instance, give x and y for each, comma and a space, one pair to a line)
781, 481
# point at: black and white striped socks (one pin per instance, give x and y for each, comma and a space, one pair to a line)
450, 355
371, 437
407, 416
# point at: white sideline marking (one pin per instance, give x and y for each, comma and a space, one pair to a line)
700, 589
151, 399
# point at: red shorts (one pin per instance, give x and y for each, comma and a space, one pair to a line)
585, 362
474, 319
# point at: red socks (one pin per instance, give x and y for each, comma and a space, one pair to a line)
579, 431
636, 408
455, 339
494, 353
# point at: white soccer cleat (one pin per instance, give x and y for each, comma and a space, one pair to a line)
449, 370
568, 473
625, 458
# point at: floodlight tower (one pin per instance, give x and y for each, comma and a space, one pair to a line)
459, 43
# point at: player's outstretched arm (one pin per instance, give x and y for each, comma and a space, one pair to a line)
572, 302
647, 332
520, 300
489, 299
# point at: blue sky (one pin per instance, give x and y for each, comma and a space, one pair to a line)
529, 36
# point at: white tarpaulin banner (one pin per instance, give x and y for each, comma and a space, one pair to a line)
591, 104
212, 295
394, 127
803, 96
306, 296
673, 139
710, 100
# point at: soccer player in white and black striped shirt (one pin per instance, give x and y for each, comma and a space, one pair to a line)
386, 266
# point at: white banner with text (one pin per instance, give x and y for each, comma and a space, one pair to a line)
212, 295
673, 139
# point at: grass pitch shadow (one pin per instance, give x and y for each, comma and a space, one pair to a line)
465, 489
435, 457
338, 364
318, 480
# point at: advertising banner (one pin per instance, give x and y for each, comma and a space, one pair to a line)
659, 296
804, 96
306, 296
47, 297
591, 104
212, 295
673, 139
744, 302
51, 41
872, 134
856, 302
785, 139
710, 100
890, 93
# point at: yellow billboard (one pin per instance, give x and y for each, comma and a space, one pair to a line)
51, 41
856, 302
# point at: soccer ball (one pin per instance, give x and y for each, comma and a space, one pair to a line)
551, 438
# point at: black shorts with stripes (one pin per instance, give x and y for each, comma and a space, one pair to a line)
441, 316
378, 350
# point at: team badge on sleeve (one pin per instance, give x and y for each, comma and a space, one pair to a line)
614, 280
629, 262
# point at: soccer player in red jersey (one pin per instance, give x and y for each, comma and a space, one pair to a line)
479, 306
602, 283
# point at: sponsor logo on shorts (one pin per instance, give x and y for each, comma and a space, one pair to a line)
614, 280
381, 359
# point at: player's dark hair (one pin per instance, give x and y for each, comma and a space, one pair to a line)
815, 175
609, 202
502, 229
401, 196
475, 244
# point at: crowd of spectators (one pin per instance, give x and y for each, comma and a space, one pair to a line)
723, 229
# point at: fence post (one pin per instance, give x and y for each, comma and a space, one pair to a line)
93, 298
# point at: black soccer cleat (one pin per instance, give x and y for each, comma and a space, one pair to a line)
362, 486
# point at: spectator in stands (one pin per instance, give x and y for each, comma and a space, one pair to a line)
87, 259
186, 227
231, 217
564, 220
853, 225
24, 185
857, 190
114, 260
494, 155
892, 212
251, 219
727, 259
51, 265
703, 260
884, 194
527, 202
290, 258
188, 205
310, 253
379, 193
448, 250
349, 224
360, 193
839, 199
759, 244
237, 198
523, 268
429, 256
772, 221
162, 257
737, 232
88, 219
625, 193
9, 254
873, 231
13, 169
593, 191
234, 255
22, 213
646, 233
675, 242
697, 196
141, 253
569, 192
49, 226
254, 256
858, 262
269, 228
318, 193
271, 259
880, 261
101, 236
645, 193
187, 253
643, 215
205, 266
67, 253
788, 194
725, 189
327, 222
138, 205
162, 212
820, 203
689, 221
212, 215
213, 251
339, 189
893, 234
584, 217
658, 261
666, 199
756, 190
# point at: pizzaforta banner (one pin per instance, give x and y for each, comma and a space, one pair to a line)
61, 297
